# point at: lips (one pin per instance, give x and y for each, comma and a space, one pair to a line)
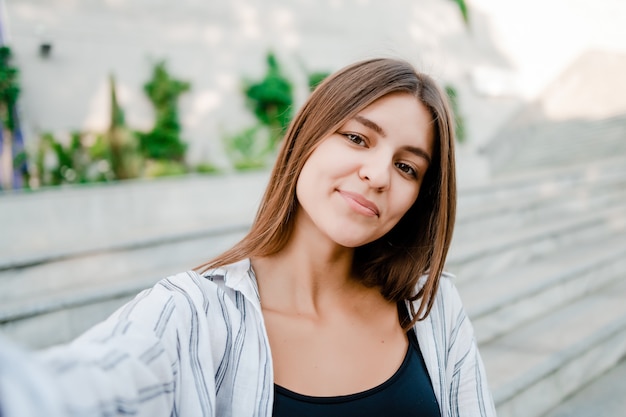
360, 203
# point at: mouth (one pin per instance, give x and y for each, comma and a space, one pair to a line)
360, 204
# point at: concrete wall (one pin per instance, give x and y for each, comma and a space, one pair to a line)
521, 45
49, 224
215, 45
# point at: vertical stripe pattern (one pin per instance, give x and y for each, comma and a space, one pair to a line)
197, 346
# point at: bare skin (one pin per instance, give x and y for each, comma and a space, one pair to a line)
329, 334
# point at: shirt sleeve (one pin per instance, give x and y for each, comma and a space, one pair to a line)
131, 364
469, 392
24, 388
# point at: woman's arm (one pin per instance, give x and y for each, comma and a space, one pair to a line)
25, 389
132, 363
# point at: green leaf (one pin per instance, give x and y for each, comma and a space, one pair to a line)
463, 9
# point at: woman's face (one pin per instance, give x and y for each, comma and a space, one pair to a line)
360, 180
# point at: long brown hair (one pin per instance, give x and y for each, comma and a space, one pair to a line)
419, 243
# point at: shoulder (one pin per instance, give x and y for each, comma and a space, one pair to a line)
211, 281
188, 284
185, 296
448, 294
447, 288
230, 283
447, 306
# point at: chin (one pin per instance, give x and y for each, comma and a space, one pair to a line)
352, 242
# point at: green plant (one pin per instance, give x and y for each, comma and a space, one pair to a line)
9, 93
125, 156
118, 153
163, 168
206, 168
88, 157
9, 88
20, 164
315, 78
248, 149
459, 121
56, 163
163, 142
463, 9
271, 100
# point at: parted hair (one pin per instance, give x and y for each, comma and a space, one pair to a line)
419, 243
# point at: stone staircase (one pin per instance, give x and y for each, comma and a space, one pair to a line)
602, 397
544, 143
540, 260
548, 306
85, 261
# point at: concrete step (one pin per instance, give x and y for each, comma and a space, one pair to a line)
573, 153
489, 254
102, 269
570, 156
91, 219
536, 366
568, 130
602, 397
48, 285
56, 301
576, 133
596, 144
550, 246
514, 214
523, 141
63, 323
571, 134
499, 303
78, 286
123, 264
68, 221
542, 181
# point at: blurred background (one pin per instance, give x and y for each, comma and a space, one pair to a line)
138, 136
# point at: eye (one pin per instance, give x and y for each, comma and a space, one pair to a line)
355, 138
407, 169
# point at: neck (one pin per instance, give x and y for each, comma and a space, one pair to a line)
308, 275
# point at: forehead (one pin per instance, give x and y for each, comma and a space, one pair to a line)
396, 100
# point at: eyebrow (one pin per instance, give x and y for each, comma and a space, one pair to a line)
419, 152
376, 128
371, 124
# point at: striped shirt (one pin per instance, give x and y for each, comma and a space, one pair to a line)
196, 345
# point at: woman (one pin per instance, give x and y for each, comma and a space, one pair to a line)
335, 303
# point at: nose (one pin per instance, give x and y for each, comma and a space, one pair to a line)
375, 171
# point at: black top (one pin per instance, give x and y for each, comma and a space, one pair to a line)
408, 392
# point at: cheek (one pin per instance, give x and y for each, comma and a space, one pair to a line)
308, 181
406, 200
303, 185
